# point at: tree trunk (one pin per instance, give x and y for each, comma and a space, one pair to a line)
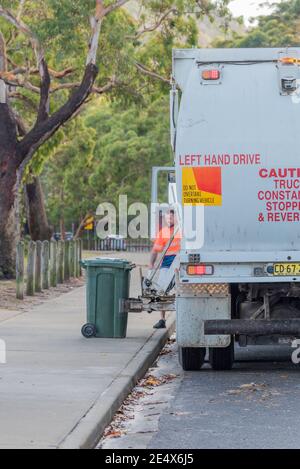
39, 228
8, 182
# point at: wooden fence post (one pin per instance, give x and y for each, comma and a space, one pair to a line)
53, 253
60, 262
71, 258
30, 285
38, 267
80, 256
20, 271
67, 261
45, 265
76, 259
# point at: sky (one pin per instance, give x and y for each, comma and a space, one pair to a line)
249, 8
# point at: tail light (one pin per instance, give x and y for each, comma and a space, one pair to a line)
200, 269
289, 61
211, 74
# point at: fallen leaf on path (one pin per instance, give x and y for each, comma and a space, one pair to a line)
114, 434
151, 381
165, 352
154, 381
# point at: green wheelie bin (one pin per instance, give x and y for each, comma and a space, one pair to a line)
108, 282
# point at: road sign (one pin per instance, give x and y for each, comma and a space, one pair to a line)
89, 224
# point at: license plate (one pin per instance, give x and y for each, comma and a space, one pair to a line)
286, 270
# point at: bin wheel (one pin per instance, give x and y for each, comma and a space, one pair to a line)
88, 330
221, 359
192, 359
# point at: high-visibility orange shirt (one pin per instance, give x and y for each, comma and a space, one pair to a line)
163, 238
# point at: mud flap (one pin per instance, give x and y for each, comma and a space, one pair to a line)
193, 312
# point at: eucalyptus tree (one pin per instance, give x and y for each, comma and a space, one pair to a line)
54, 55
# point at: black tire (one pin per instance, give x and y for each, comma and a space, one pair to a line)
191, 359
88, 330
221, 359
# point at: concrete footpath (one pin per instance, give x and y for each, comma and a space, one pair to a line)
59, 390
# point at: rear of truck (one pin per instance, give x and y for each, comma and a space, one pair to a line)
235, 120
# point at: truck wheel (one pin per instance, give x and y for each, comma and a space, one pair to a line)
222, 359
191, 359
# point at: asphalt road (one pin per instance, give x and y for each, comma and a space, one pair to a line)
256, 405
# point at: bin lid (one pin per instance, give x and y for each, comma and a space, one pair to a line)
108, 262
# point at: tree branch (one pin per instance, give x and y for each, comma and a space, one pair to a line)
96, 23
30, 104
6, 14
21, 126
42, 131
20, 10
96, 89
12, 33
114, 6
155, 25
12, 78
64, 73
3, 54
33, 71
41, 63
3, 68
150, 73
44, 106
15, 81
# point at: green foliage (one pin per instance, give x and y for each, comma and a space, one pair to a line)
136, 140
112, 148
279, 29
65, 176
49, 148
63, 28
109, 152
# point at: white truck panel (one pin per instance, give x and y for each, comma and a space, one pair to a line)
255, 130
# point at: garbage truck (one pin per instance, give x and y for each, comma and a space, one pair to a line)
235, 123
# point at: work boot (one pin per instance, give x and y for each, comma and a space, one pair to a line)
161, 324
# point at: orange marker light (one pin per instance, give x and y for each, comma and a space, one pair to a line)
289, 61
211, 74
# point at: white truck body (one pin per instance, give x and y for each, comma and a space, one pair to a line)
237, 157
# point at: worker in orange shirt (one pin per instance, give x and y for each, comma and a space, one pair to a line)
162, 239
